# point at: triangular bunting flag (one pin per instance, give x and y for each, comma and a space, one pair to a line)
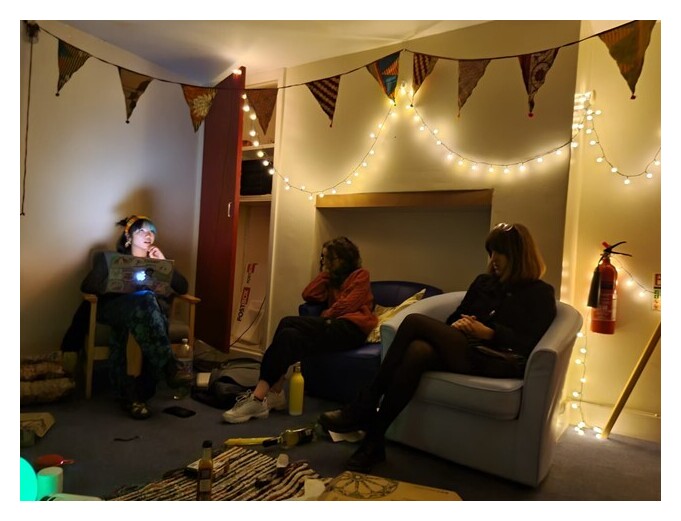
385, 71
423, 66
69, 59
535, 67
627, 45
263, 101
470, 72
326, 92
199, 99
134, 85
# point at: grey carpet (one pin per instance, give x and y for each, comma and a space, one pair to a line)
92, 432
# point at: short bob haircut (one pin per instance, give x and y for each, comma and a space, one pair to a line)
131, 225
525, 262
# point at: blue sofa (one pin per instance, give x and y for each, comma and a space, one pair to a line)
340, 376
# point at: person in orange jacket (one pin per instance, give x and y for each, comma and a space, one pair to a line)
344, 288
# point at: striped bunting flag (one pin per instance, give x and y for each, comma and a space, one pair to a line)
423, 66
326, 92
69, 59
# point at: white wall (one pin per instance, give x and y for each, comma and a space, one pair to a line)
603, 208
87, 168
493, 126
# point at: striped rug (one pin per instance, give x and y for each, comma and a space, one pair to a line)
237, 484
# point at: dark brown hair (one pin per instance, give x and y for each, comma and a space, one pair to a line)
347, 253
525, 262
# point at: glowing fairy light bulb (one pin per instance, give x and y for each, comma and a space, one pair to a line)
600, 159
507, 170
253, 117
265, 162
649, 175
252, 133
540, 159
614, 169
260, 153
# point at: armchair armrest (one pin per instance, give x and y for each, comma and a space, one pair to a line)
191, 299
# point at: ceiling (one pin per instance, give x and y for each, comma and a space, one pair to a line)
206, 51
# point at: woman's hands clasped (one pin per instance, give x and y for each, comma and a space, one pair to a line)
471, 326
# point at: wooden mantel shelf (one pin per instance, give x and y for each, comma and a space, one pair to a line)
432, 199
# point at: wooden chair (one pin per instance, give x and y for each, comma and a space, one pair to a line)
96, 340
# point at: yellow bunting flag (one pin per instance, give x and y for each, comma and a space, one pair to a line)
423, 66
69, 59
627, 45
134, 85
263, 101
386, 71
535, 67
199, 99
326, 92
470, 72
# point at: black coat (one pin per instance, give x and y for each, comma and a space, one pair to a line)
520, 313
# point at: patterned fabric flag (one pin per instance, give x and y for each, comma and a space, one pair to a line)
470, 72
628, 45
199, 100
263, 101
385, 71
423, 66
70, 59
134, 85
535, 67
326, 92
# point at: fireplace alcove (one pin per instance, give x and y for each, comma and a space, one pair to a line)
433, 237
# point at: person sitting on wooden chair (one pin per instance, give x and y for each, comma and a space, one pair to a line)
142, 314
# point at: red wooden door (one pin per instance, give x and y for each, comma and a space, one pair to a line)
219, 214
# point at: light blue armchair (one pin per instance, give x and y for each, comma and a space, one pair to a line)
507, 427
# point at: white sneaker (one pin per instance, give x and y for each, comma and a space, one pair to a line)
277, 401
246, 407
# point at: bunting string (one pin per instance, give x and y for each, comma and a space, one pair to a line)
627, 45
32, 31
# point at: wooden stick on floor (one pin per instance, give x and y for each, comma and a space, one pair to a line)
633, 379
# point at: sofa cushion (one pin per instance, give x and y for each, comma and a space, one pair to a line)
384, 313
497, 398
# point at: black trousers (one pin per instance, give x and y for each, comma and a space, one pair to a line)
297, 338
425, 344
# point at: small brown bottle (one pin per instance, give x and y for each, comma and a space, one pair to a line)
204, 481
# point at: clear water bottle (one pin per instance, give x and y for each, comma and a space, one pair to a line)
185, 370
296, 390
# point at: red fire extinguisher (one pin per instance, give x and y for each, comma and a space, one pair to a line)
603, 292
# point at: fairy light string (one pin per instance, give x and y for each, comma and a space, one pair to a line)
583, 121
577, 394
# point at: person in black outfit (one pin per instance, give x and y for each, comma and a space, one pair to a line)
143, 314
492, 333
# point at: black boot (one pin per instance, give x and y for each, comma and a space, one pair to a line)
370, 452
354, 417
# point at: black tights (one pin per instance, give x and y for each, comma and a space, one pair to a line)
422, 344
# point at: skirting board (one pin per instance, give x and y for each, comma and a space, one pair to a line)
630, 423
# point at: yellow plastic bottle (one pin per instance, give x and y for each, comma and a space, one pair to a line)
296, 390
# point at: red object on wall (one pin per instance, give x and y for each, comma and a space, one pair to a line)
603, 316
603, 292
